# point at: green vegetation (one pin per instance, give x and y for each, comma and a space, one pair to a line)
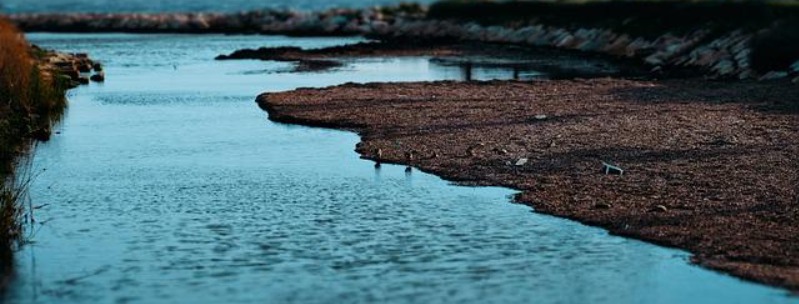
30, 102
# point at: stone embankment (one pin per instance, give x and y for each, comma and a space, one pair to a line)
721, 54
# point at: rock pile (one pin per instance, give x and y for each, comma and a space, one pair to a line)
70, 70
720, 56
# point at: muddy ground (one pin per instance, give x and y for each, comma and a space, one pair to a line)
710, 167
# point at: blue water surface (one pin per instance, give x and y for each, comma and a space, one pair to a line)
167, 184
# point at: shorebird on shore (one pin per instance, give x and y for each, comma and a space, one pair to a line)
378, 157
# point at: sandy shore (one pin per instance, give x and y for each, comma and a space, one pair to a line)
710, 167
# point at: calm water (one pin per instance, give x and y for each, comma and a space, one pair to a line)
168, 184
15, 6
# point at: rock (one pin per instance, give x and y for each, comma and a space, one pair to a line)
521, 162
84, 68
99, 77
724, 67
794, 69
773, 75
98, 67
618, 47
71, 73
541, 117
653, 60
64, 79
83, 80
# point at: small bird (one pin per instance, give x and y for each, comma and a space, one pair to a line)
409, 156
378, 157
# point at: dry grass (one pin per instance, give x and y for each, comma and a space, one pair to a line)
30, 102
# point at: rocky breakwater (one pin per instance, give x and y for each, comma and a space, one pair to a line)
329, 22
70, 70
725, 55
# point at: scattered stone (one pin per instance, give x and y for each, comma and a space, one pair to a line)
724, 67
541, 117
794, 69
99, 77
521, 162
98, 67
773, 75
83, 80
84, 68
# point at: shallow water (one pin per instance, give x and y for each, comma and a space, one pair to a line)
168, 184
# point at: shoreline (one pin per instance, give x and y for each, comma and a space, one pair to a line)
733, 218
34, 88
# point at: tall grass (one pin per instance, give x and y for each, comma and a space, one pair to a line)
30, 102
